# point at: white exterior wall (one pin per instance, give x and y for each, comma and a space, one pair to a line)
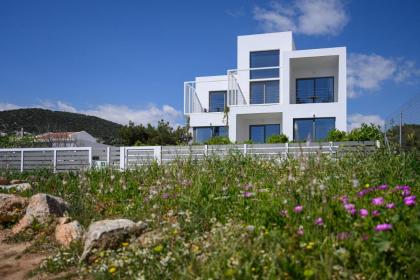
293, 64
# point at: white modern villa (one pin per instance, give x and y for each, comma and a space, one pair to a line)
275, 89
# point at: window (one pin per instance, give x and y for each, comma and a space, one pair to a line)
312, 129
315, 90
203, 134
264, 59
260, 133
217, 101
264, 92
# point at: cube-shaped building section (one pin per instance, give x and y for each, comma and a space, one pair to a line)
275, 89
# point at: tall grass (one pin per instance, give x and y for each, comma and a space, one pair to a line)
237, 218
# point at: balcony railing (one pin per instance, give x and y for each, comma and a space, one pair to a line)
191, 102
234, 93
322, 95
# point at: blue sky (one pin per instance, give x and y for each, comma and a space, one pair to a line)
127, 60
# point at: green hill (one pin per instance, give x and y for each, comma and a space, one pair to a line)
38, 121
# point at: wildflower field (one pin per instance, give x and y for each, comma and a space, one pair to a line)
356, 217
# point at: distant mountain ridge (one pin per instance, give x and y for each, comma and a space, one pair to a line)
39, 121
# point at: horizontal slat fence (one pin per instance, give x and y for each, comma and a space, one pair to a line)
82, 158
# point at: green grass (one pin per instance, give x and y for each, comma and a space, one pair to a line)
226, 218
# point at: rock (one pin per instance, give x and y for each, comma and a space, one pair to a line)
4, 181
12, 207
40, 207
18, 187
109, 234
150, 238
66, 232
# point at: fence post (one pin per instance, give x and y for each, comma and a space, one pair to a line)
378, 144
108, 156
122, 158
90, 157
206, 150
245, 149
158, 154
331, 147
286, 145
21, 161
54, 160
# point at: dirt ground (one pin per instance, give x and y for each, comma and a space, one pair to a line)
15, 263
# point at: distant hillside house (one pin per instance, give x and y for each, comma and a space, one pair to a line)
69, 139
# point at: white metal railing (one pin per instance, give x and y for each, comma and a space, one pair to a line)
191, 102
234, 93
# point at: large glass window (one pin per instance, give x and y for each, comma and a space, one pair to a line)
263, 59
217, 101
315, 90
203, 134
264, 92
312, 129
260, 133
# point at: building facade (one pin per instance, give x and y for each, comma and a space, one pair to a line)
275, 89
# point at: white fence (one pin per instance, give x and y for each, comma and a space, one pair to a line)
82, 158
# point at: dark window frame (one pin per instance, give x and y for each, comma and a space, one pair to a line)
265, 95
314, 81
263, 125
225, 99
277, 76
313, 126
212, 131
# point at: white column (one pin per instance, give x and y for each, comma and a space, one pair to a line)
21, 161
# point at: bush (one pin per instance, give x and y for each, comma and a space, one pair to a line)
365, 133
280, 138
218, 140
336, 135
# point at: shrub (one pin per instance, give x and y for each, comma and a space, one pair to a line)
218, 140
365, 133
336, 135
280, 138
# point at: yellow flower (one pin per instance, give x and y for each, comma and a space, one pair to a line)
310, 246
112, 269
308, 273
124, 244
367, 185
158, 248
230, 272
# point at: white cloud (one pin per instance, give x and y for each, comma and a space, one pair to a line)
367, 73
316, 17
356, 120
123, 114
8, 106
117, 113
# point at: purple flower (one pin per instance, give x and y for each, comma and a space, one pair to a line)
406, 192
319, 221
382, 187
165, 195
378, 201
363, 212
300, 231
375, 213
410, 200
344, 199
383, 227
343, 235
248, 194
298, 209
390, 205
350, 208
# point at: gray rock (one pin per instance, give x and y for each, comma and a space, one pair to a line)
110, 234
18, 187
41, 207
12, 207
